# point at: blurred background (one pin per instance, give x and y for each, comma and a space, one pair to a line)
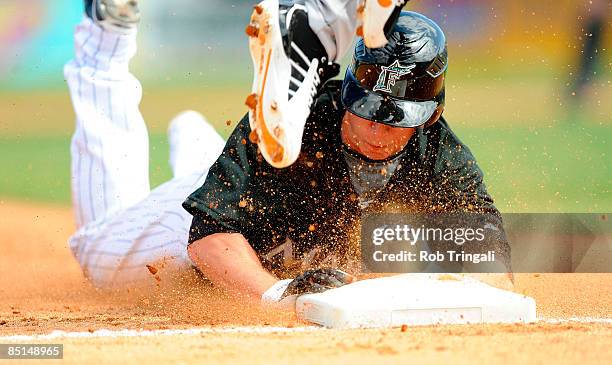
528, 89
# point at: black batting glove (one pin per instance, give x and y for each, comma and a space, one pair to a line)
317, 281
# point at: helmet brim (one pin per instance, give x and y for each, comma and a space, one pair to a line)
383, 108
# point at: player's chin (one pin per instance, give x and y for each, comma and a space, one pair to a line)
374, 152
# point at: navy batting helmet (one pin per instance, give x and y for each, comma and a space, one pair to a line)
402, 83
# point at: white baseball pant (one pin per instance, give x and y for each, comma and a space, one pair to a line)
122, 225
334, 22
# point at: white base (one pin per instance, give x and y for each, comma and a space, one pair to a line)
415, 299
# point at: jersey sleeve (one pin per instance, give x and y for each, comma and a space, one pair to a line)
225, 203
458, 186
458, 181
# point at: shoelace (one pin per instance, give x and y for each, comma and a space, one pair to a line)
317, 80
314, 88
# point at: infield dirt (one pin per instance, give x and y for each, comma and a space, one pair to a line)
42, 289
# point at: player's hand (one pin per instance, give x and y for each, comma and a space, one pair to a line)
283, 294
317, 281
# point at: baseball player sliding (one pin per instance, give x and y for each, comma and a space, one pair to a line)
269, 213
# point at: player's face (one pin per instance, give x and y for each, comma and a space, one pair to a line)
375, 141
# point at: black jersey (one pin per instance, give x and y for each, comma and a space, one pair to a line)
312, 204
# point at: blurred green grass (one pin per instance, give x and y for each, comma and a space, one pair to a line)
555, 169
536, 157
37, 168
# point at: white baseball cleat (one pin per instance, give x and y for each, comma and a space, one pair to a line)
377, 19
290, 64
114, 15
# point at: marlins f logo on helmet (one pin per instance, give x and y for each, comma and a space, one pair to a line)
390, 74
